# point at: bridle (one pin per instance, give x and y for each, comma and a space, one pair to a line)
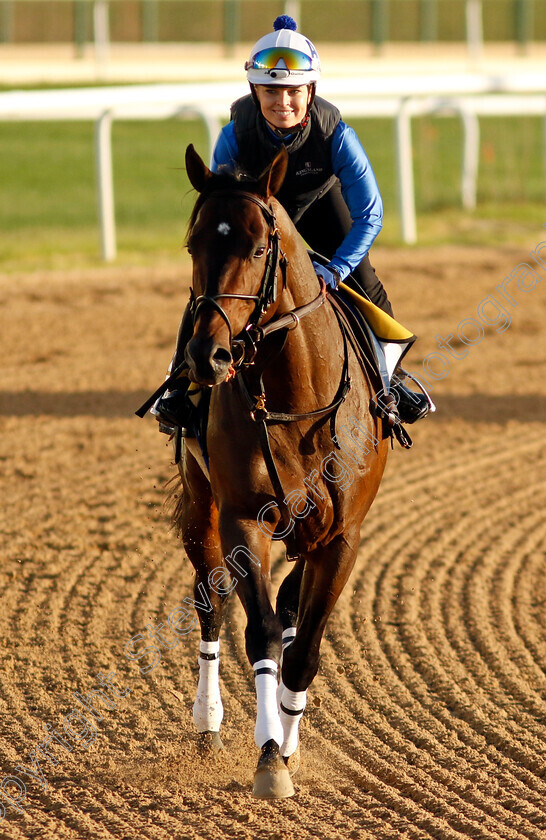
244, 347
267, 294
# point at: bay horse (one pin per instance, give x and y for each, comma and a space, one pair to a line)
293, 451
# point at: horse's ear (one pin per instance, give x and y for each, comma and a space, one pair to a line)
271, 180
198, 172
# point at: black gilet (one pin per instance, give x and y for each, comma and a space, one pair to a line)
310, 172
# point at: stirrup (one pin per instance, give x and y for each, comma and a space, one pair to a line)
430, 407
410, 406
174, 413
170, 429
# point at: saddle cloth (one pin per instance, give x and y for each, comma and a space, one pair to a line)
383, 336
379, 341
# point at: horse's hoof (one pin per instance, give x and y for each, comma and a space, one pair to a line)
293, 761
209, 742
272, 778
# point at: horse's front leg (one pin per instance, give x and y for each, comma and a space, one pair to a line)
248, 557
288, 599
198, 525
208, 710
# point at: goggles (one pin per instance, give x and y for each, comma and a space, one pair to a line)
268, 59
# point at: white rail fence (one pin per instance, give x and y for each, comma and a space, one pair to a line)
468, 97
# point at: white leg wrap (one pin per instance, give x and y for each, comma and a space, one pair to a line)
268, 724
207, 709
288, 637
291, 713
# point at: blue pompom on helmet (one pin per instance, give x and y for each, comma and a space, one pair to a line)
283, 57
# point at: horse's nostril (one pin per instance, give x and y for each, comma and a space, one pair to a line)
221, 356
208, 360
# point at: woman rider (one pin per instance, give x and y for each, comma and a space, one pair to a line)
329, 192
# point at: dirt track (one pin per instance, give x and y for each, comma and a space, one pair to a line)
428, 716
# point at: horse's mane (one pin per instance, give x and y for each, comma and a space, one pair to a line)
224, 179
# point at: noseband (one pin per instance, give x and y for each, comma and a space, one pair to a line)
267, 293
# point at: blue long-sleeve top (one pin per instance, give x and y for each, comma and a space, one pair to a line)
358, 187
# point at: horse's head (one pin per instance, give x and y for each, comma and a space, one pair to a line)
233, 241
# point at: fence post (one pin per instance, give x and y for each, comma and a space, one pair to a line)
380, 23
428, 29
471, 158
101, 23
80, 27
293, 8
105, 185
6, 21
404, 169
474, 28
232, 25
523, 23
544, 148
149, 21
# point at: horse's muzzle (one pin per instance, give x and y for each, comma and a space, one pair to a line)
208, 360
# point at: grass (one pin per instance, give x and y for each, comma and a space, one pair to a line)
48, 204
48, 213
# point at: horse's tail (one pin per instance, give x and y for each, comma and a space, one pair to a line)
174, 501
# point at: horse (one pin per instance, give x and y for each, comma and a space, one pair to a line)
293, 451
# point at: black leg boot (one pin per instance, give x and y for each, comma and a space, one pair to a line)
175, 409
411, 405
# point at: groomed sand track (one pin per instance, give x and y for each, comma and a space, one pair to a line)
428, 716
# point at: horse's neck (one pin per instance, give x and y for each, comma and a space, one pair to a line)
302, 282
311, 354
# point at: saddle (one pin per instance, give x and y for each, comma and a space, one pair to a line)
371, 331
359, 334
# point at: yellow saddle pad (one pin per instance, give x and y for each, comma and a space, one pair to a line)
385, 327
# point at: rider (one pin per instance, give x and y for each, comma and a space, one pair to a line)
329, 192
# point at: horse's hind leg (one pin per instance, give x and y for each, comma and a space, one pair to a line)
288, 599
325, 573
197, 523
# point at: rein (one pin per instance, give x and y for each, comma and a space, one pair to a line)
260, 415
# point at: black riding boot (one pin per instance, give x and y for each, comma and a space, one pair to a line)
411, 405
175, 408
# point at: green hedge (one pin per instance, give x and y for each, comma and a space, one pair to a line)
203, 20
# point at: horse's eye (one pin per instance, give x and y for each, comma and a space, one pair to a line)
259, 252
188, 249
